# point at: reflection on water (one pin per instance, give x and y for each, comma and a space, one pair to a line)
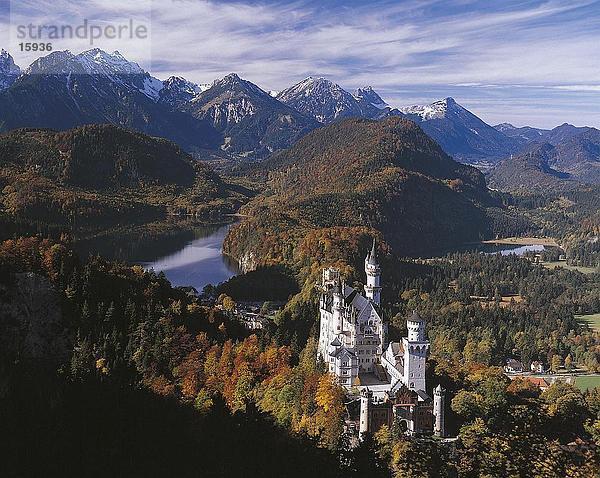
189, 256
198, 263
521, 250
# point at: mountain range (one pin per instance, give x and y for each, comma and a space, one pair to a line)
234, 118
559, 159
250, 121
63, 91
326, 101
460, 133
527, 134
530, 171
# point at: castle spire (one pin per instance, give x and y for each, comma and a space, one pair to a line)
373, 272
373, 254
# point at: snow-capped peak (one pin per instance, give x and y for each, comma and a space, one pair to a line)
97, 61
91, 62
370, 96
233, 82
437, 109
183, 86
177, 89
505, 127
57, 62
313, 86
323, 100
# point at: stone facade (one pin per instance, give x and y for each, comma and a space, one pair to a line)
352, 333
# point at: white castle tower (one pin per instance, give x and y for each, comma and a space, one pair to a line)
415, 347
337, 307
373, 271
439, 428
365, 402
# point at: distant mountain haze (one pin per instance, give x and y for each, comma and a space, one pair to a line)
566, 157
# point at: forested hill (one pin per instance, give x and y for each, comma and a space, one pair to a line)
529, 172
98, 157
345, 154
96, 175
385, 175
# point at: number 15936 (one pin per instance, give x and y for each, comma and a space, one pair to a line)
35, 46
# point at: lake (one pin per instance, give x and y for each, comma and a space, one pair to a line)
505, 250
199, 262
189, 255
488, 248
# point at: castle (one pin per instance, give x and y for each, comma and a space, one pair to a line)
390, 377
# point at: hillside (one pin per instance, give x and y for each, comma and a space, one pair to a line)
530, 172
98, 157
579, 155
542, 168
98, 175
363, 175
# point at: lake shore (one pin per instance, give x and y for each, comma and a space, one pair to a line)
524, 241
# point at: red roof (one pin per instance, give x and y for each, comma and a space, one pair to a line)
540, 382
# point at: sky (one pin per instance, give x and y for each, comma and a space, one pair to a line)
525, 62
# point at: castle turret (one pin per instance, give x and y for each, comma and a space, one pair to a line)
439, 398
415, 347
337, 307
416, 328
365, 403
373, 271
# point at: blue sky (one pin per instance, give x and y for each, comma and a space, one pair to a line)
526, 62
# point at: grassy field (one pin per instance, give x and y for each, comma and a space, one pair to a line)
584, 383
593, 320
564, 265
